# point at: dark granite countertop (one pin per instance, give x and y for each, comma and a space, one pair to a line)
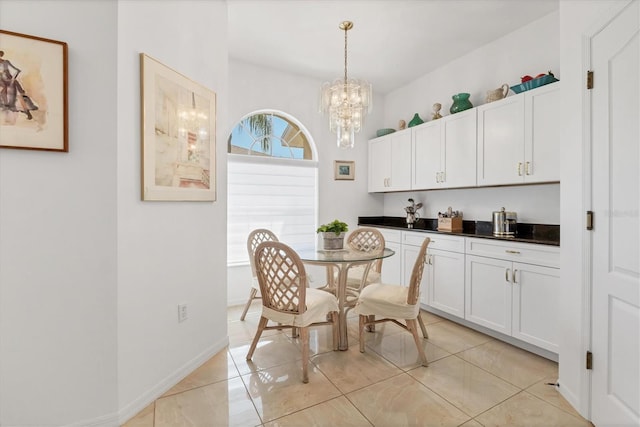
542, 234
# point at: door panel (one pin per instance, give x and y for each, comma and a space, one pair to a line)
535, 306
426, 155
616, 203
488, 293
446, 291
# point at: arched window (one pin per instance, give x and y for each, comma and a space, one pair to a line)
271, 182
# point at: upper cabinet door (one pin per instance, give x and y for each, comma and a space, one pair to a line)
400, 161
542, 134
501, 142
459, 133
379, 164
427, 155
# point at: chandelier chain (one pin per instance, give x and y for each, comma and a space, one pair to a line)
345, 54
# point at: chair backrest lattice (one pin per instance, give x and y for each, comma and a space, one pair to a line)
254, 239
282, 277
416, 274
367, 239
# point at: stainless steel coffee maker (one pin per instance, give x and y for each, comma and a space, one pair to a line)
412, 212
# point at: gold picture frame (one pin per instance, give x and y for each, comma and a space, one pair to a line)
344, 170
33, 93
178, 135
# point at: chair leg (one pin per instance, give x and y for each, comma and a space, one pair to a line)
361, 325
261, 326
423, 327
304, 332
413, 328
334, 319
252, 296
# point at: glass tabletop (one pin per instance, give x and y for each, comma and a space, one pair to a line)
342, 255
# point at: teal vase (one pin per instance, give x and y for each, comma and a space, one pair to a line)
416, 120
460, 103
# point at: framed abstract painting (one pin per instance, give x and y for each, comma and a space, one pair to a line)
178, 135
33, 93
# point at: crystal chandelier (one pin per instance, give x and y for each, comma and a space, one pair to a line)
346, 101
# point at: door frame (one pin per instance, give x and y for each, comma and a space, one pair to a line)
587, 197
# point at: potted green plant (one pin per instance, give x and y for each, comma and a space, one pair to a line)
333, 234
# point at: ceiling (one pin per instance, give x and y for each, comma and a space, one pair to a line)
392, 43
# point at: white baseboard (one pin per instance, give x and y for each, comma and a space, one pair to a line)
134, 407
110, 420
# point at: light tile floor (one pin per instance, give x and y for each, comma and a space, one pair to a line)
472, 380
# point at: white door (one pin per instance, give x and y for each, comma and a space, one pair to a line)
616, 250
426, 156
379, 164
501, 141
543, 121
392, 266
400, 161
488, 292
446, 289
459, 149
535, 306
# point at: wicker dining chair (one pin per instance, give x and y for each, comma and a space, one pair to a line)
364, 239
287, 300
253, 240
395, 302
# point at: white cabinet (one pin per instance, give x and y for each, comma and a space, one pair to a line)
445, 282
392, 266
390, 162
512, 288
442, 285
444, 152
518, 138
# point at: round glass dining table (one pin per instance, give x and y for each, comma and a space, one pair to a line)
342, 260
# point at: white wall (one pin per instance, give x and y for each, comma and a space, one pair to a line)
577, 18
254, 88
538, 204
58, 235
168, 252
532, 50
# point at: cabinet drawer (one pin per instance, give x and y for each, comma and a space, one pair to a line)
515, 251
438, 241
391, 235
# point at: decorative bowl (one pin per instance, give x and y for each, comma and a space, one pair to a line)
534, 83
383, 132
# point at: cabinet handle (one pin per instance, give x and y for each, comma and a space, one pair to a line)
506, 275
443, 177
527, 169
514, 275
509, 251
437, 176
519, 168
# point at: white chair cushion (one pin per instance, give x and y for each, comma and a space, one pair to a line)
319, 303
386, 301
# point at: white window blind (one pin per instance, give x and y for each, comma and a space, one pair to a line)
276, 194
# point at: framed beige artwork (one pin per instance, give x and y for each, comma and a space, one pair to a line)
178, 135
344, 169
33, 93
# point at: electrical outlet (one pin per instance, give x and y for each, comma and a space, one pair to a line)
182, 312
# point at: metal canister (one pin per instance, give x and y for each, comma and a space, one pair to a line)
504, 223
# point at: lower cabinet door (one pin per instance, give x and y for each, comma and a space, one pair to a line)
392, 266
535, 308
488, 292
446, 284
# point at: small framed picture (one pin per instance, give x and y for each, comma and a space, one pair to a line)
345, 169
